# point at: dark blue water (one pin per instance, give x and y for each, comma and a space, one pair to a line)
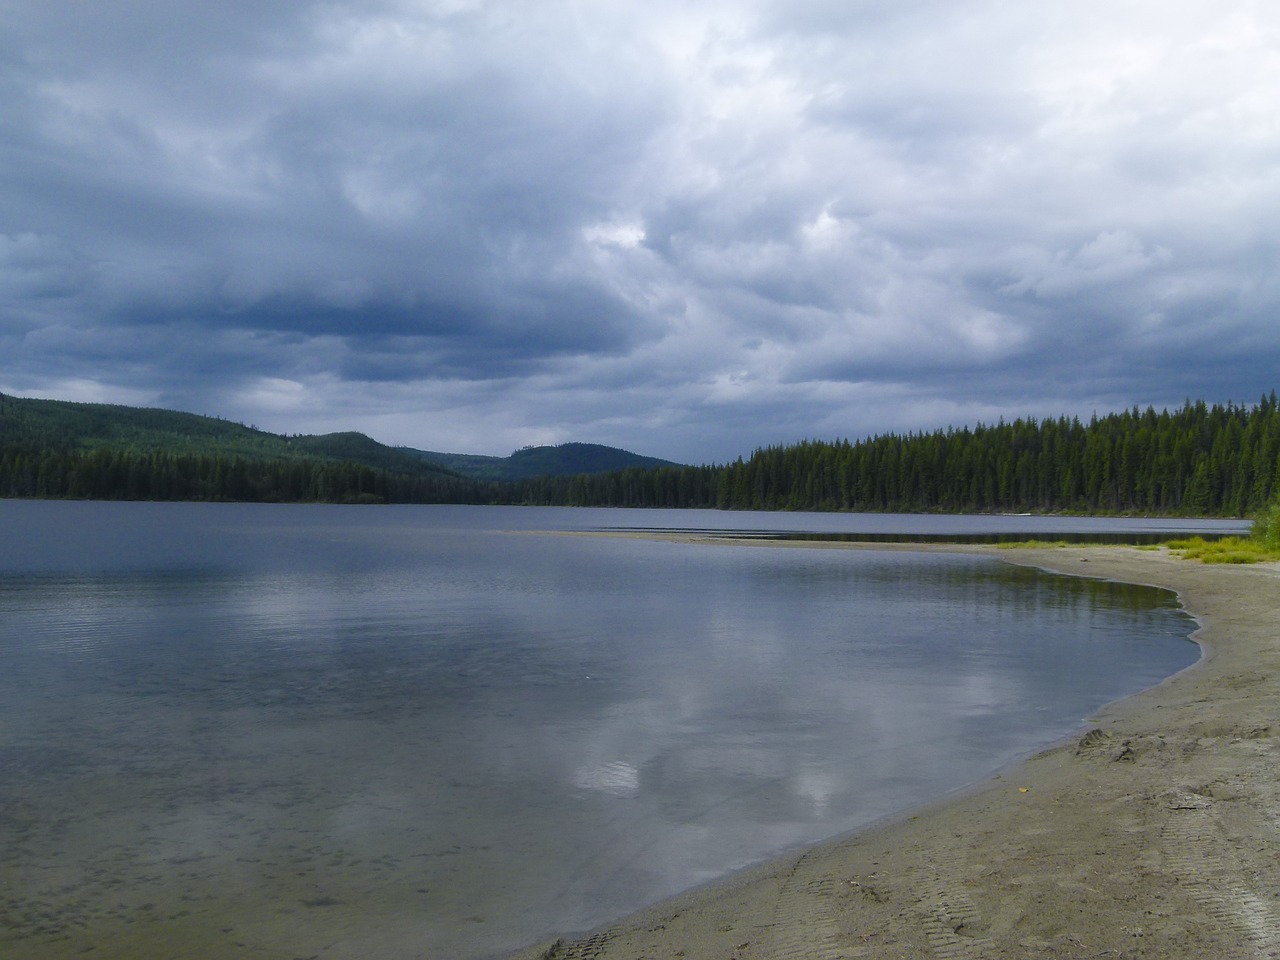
294, 731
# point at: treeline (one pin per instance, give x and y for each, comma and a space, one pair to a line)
1198, 460
668, 487
130, 475
66, 450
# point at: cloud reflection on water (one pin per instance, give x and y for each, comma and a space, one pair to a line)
543, 732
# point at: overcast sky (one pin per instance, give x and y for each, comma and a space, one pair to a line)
687, 229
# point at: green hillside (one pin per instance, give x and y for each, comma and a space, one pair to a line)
1198, 460
563, 460
70, 427
359, 448
58, 448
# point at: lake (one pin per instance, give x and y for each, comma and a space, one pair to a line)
400, 732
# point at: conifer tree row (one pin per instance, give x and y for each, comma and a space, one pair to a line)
124, 475
1198, 460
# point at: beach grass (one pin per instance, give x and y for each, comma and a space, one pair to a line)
1261, 546
1226, 550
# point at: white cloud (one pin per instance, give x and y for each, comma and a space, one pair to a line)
615, 234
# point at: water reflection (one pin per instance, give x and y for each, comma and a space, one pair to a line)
456, 741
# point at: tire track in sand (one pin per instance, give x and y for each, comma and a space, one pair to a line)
587, 949
1197, 850
805, 918
951, 921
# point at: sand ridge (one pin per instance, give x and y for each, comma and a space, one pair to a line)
1154, 833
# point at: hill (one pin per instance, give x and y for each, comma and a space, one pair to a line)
1199, 460
71, 427
562, 460
67, 426
58, 448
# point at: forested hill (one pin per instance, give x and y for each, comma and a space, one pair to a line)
565, 459
54, 448
1198, 460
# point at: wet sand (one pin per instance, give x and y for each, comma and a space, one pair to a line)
1152, 833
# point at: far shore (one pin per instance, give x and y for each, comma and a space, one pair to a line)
1152, 834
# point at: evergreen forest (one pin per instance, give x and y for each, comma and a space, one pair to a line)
1197, 460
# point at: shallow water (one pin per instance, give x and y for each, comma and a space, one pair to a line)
302, 731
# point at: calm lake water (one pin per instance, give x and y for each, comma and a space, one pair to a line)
402, 732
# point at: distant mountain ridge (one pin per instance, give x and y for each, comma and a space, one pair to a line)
561, 460
73, 427
1197, 460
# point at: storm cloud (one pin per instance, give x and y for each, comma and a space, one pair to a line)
684, 229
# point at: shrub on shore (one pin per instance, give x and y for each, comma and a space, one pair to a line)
1266, 528
1262, 544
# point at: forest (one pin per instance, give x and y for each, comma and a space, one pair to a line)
1197, 460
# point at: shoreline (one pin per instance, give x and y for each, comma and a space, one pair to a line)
1150, 835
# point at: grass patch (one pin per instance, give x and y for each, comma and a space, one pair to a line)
1029, 544
1226, 550
1261, 546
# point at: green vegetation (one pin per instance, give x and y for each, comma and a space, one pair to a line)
51, 448
1198, 460
133, 475
1226, 550
1262, 544
1266, 528
565, 459
59, 449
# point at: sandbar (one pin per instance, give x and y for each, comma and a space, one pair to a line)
1152, 832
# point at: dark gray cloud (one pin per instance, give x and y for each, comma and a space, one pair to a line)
475, 224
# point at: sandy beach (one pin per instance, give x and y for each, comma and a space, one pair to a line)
1152, 833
